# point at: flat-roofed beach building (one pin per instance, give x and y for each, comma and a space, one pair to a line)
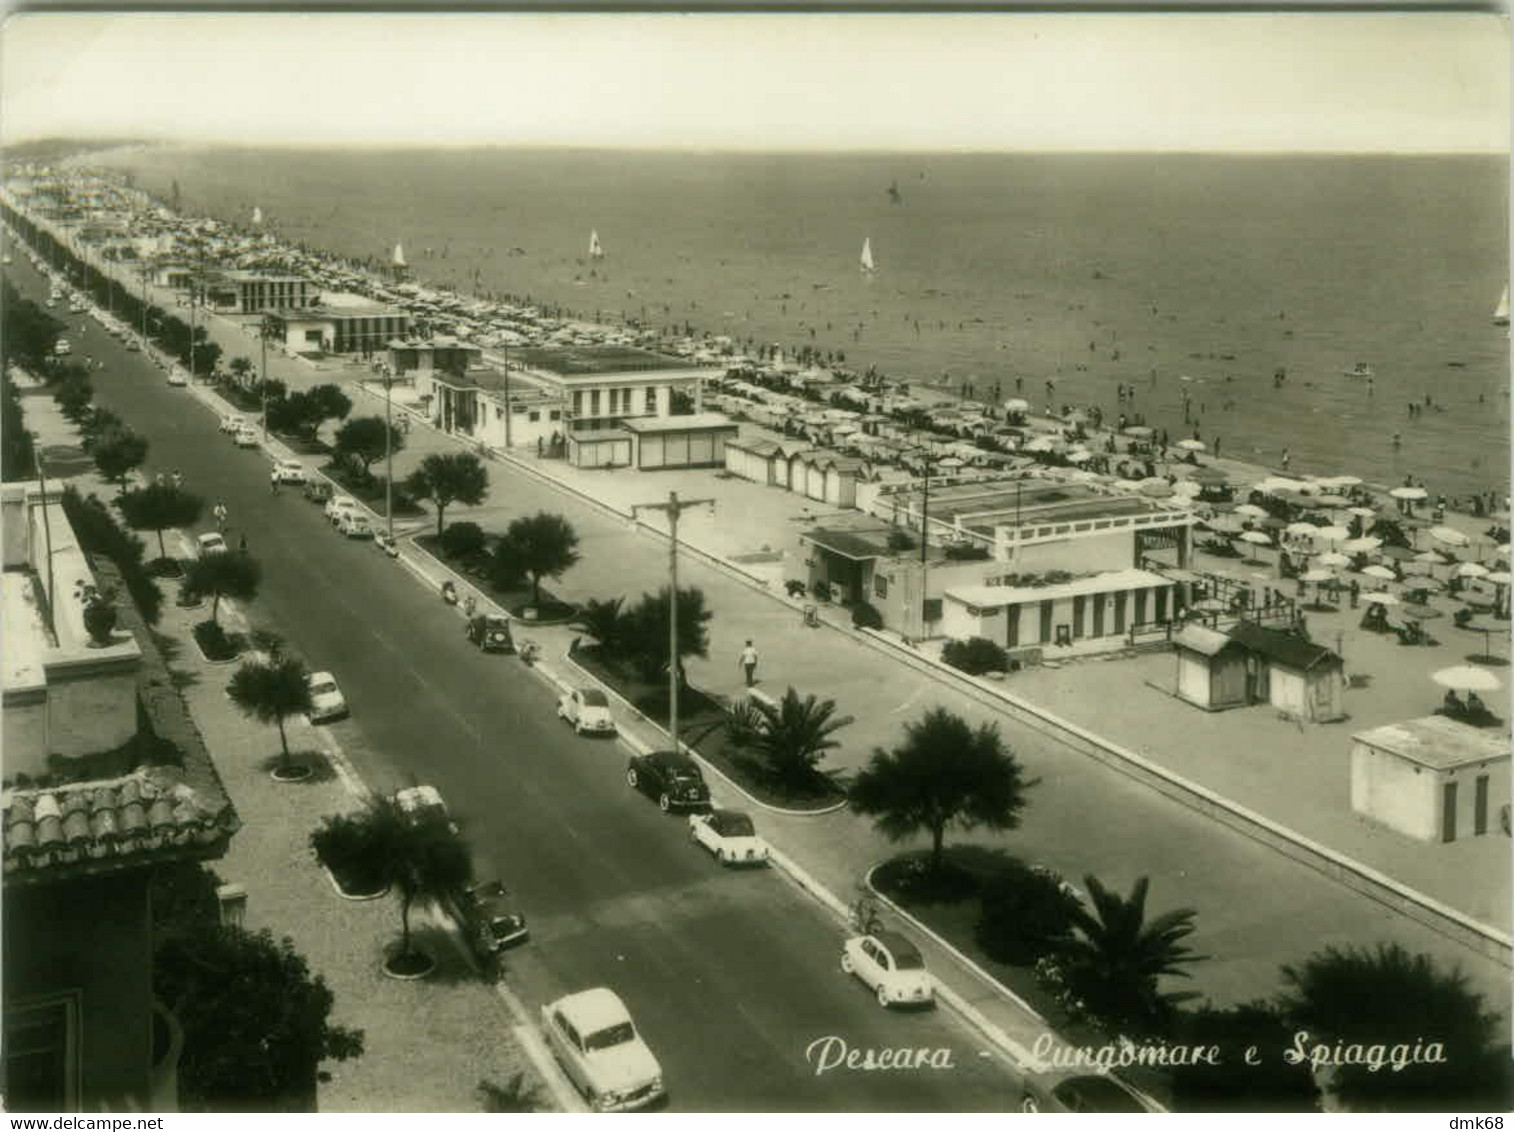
1434, 779
411, 359
253, 292
482, 405
342, 324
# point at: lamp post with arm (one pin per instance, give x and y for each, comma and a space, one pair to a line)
673, 508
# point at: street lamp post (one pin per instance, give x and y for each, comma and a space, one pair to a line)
263, 384
673, 508
925, 547
389, 457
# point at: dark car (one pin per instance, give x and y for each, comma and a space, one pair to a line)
1080, 1092
489, 920
491, 633
318, 491
670, 777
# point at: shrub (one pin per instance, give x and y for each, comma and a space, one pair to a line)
214, 642
965, 552
1023, 915
743, 723
900, 540
866, 616
822, 591
99, 534
976, 656
463, 540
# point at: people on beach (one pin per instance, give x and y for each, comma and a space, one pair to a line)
748, 662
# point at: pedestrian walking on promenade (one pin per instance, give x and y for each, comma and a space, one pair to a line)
242, 545
219, 511
178, 479
1287, 459
749, 663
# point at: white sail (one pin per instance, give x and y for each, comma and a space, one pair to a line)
399, 256
595, 250
257, 215
867, 254
1501, 312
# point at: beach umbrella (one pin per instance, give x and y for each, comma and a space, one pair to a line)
1342, 481
1256, 538
1331, 501
1273, 484
1449, 535
1187, 489
1190, 445
1361, 545
1380, 597
1426, 582
1419, 612
1301, 528
1499, 577
1503, 551
1466, 678
1431, 556
1251, 511
949, 463
1409, 493
1332, 534
1396, 552
1382, 572
1334, 558
1017, 405
1472, 570
1127, 485
1079, 456
1362, 512
1316, 575
1042, 444
1138, 430
1156, 488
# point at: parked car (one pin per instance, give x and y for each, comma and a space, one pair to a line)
288, 471
177, 376
889, 965
588, 710
233, 422
318, 491
133, 345
354, 524
326, 699
671, 777
211, 543
62, 348
489, 921
730, 836
340, 505
1079, 1092
246, 437
419, 803
593, 1038
490, 632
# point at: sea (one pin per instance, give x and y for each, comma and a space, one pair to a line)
1190, 280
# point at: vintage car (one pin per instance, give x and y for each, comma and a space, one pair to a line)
671, 777
326, 699
593, 1038
318, 491
488, 918
891, 966
1079, 1092
490, 632
730, 836
588, 710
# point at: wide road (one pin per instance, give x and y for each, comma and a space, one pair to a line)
730, 975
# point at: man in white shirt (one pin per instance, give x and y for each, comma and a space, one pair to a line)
749, 662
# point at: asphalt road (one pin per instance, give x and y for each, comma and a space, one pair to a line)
730, 976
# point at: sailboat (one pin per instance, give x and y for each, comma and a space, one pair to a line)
595, 250
1501, 312
257, 215
399, 257
867, 255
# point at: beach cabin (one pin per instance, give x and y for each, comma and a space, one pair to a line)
838, 480
1213, 671
1294, 675
599, 448
1096, 610
1434, 779
753, 459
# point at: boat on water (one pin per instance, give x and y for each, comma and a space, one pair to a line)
1360, 369
1501, 312
867, 255
596, 250
257, 215
399, 257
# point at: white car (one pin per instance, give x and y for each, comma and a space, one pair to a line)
211, 543
891, 966
588, 710
133, 345
62, 348
355, 525
730, 836
246, 437
416, 802
326, 699
177, 376
593, 1038
288, 471
340, 505
233, 423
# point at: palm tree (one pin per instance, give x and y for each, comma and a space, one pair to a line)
793, 735
945, 773
271, 693
601, 620
1115, 957
223, 575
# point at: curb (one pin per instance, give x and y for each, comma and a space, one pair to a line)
688, 750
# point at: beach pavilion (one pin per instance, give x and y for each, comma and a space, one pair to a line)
1434, 779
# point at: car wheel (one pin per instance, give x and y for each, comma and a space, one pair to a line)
1029, 1104
882, 995
664, 803
631, 777
846, 964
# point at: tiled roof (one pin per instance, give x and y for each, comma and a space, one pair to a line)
1283, 648
97, 826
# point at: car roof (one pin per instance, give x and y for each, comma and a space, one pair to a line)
419, 797
594, 1009
897, 945
317, 677
210, 536
674, 759
593, 697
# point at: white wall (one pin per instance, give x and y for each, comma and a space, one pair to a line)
1393, 791
1193, 677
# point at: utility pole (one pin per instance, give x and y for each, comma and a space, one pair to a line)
389, 456
509, 408
47, 535
925, 547
263, 384
673, 508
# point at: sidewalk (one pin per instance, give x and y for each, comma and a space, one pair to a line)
428, 1043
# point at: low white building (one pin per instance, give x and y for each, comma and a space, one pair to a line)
1101, 607
1434, 779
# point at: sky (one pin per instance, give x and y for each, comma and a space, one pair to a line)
1362, 82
